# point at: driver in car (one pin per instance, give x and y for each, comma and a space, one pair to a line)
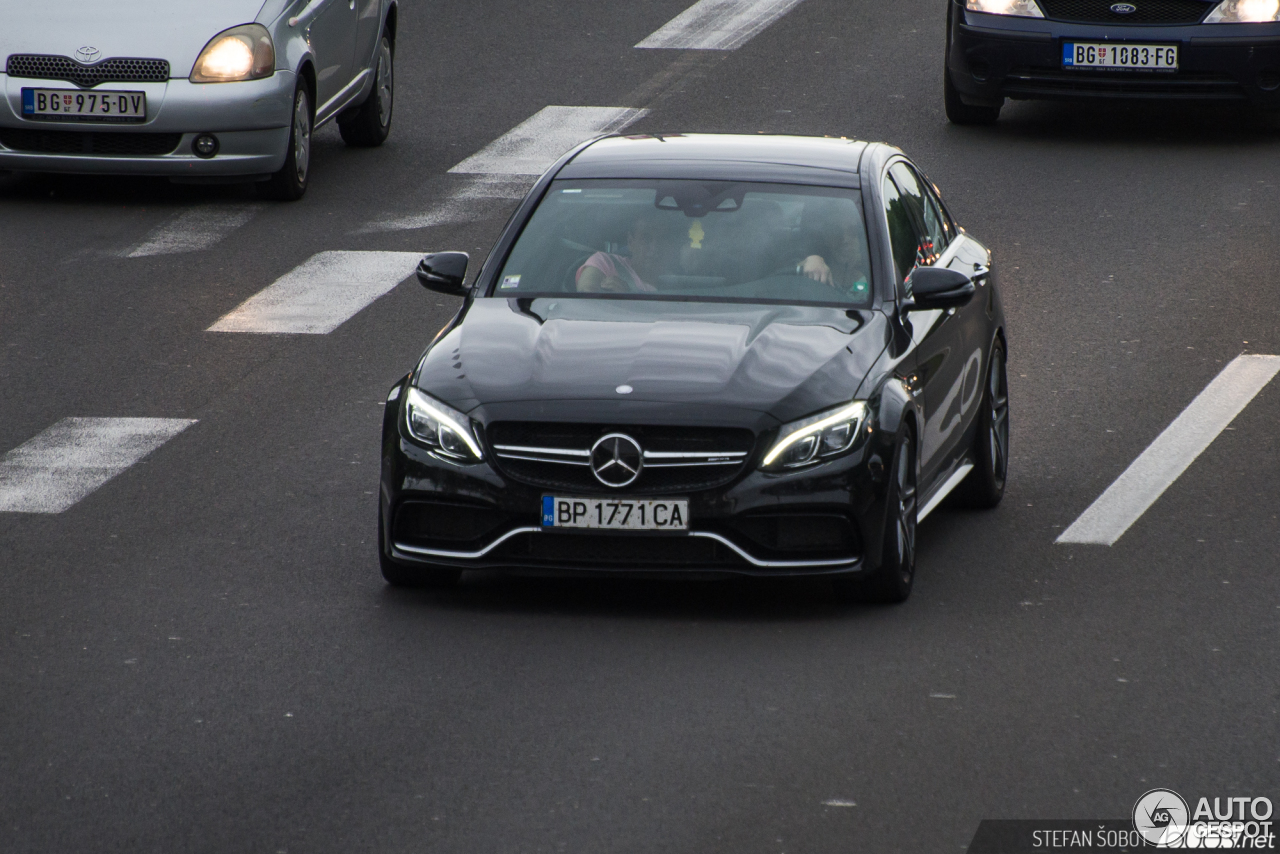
838, 256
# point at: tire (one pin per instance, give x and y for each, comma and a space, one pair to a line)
413, 575
290, 183
367, 125
960, 113
984, 487
892, 580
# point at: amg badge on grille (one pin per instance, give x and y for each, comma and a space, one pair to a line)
1123, 8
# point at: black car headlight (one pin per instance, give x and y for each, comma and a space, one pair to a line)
818, 437
443, 429
240, 53
1020, 8
1244, 12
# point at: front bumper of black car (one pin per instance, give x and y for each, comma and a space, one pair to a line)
822, 520
993, 57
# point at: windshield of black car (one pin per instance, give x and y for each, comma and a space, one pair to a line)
707, 240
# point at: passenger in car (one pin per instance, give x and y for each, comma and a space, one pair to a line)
605, 272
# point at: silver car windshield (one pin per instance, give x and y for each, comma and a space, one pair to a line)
712, 240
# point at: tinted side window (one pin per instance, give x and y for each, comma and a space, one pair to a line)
925, 213
948, 224
935, 225
904, 235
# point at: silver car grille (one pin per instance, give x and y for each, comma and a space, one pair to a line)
114, 70
674, 459
652, 459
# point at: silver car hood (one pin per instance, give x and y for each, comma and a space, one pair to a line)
175, 30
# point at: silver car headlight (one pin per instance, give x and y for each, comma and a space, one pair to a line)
1244, 12
817, 437
240, 53
443, 429
1020, 8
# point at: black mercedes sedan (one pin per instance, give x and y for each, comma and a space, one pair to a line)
1161, 49
703, 355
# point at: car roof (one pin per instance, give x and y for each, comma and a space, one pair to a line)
824, 161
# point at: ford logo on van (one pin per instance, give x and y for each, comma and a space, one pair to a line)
1123, 8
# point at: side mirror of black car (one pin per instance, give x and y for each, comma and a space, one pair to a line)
938, 287
443, 272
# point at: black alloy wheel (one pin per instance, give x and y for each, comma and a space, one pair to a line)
984, 487
892, 580
290, 183
413, 575
368, 124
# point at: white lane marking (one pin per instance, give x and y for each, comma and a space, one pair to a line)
321, 294
532, 146
1172, 452
952, 483
718, 24
836, 802
199, 228
53, 470
470, 203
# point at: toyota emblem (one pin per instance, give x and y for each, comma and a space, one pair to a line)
616, 460
87, 54
1123, 8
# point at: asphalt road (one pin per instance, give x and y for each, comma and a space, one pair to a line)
202, 656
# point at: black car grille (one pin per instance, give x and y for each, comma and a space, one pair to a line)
617, 551
1145, 11
114, 70
88, 142
554, 456
1057, 83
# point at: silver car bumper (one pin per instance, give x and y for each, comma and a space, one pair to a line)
250, 119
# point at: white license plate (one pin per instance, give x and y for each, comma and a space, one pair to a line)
616, 514
81, 106
1140, 57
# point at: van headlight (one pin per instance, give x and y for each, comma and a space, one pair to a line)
240, 53
443, 429
818, 437
1020, 8
1244, 12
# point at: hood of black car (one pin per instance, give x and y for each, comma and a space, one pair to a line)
783, 361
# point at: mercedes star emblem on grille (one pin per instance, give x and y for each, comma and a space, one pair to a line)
1123, 8
616, 459
87, 54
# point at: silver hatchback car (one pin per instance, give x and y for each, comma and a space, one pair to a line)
195, 90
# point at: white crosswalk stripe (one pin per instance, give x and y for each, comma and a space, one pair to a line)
718, 24
479, 198
199, 228
62, 465
506, 168
1172, 452
532, 146
321, 294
